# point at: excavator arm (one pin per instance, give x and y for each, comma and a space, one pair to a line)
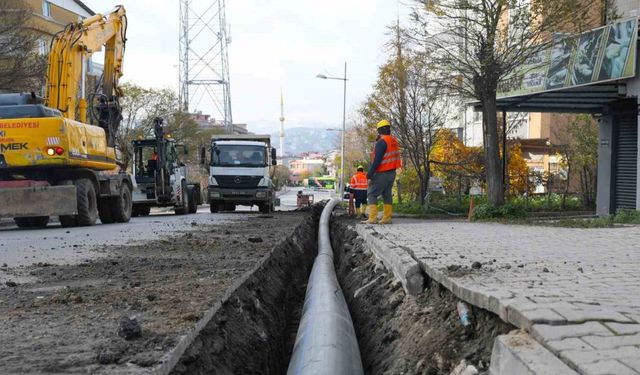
70, 50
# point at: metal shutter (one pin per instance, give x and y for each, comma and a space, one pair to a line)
626, 162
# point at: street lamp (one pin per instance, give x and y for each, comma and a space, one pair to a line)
344, 122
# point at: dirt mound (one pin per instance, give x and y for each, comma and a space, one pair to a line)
399, 334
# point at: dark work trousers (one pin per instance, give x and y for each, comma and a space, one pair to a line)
360, 196
381, 185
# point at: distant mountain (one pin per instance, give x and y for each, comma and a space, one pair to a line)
301, 139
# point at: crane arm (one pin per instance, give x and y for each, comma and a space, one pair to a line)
70, 50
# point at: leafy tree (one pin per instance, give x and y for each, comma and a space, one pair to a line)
140, 106
518, 170
476, 44
457, 164
584, 155
21, 66
280, 176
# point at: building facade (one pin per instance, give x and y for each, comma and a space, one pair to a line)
206, 122
51, 16
300, 169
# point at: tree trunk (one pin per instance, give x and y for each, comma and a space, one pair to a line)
492, 151
566, 188
421, 193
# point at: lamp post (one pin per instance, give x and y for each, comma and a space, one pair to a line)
344, 123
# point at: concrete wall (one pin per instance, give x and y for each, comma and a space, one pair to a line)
605, 172
628, 8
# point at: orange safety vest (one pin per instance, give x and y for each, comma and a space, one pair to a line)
359, 181
391, 159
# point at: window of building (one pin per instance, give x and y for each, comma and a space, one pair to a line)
43, 47
46, 8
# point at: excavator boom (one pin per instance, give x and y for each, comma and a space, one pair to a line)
70, 50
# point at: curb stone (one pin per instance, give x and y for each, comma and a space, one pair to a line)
518, 353
395, 259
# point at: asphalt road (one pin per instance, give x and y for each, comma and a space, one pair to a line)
58, 245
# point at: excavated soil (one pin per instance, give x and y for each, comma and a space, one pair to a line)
399, 334
250, 276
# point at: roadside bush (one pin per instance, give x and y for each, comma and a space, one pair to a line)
627, 217
410, 208
486, 211
553, 202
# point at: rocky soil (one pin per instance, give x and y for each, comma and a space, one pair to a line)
399, 334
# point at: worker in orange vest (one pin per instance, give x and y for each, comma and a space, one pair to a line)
385, 159
358, 187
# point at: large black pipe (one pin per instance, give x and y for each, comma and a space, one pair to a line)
326, 342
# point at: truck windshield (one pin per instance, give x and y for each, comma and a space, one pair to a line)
238, 156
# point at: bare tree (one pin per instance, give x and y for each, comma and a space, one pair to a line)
21, 66
476, 44
416, 105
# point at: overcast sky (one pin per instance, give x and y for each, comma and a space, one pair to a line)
276, 44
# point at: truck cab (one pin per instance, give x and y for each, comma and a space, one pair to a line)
240, 172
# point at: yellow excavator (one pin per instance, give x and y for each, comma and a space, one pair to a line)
57, 153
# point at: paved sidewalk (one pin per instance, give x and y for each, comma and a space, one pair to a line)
577, 291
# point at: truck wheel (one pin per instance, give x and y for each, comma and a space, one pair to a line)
22, 222
104, 211
193, 201
230, 207
144, 210
122, 205
214, 207
184, 207
87, 202
69, 221
265, 208
38, 221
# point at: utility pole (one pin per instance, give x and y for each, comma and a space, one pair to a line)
282, 127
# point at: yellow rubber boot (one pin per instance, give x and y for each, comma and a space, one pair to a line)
357, 211
373, 215
386, 214
363, 211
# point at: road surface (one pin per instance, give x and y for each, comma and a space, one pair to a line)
58, 245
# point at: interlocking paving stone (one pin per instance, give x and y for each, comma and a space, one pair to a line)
613, 341
571, 343
623, 329
582, 283
545, 332
590, 356
608, 367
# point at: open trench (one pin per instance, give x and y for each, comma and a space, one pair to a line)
254, 329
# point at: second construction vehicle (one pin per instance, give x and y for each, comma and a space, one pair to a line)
57, 155
161, 177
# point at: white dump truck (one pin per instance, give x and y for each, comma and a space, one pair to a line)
240, 172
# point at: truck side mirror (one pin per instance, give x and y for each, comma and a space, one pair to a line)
203, 156
274, 159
